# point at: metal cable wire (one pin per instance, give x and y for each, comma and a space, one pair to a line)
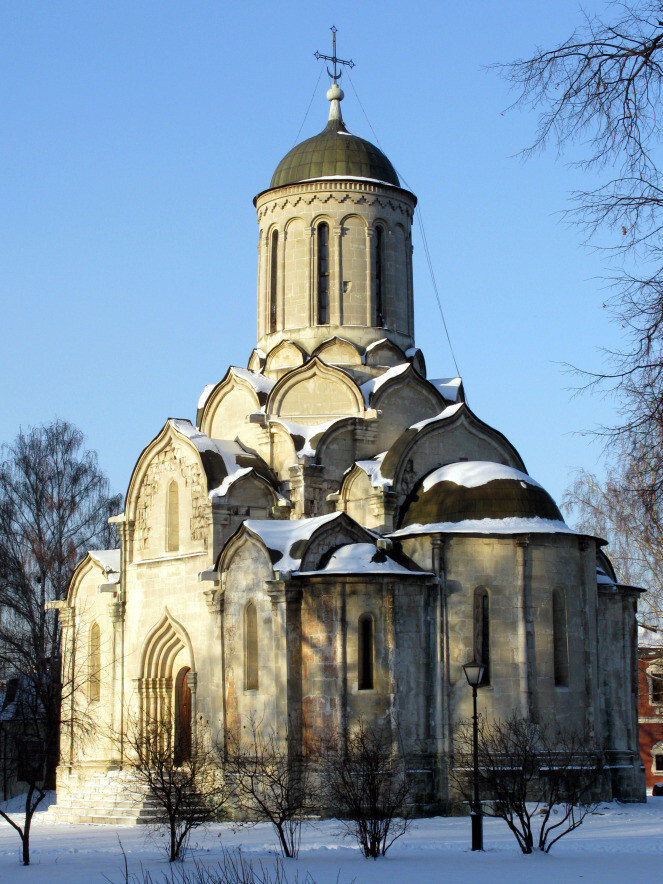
422, 230
315, 89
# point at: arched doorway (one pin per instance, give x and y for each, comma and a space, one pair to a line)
182, 734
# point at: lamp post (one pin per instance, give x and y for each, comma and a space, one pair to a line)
474, 673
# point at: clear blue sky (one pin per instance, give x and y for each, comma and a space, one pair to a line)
134, 135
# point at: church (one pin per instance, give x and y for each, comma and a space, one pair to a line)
337, 534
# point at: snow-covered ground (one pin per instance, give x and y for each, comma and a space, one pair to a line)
622, 843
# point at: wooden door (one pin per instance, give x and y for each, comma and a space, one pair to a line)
182, 717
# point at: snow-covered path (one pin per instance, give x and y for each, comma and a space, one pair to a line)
622, 842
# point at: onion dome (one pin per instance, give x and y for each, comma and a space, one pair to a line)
474, 490
334, 153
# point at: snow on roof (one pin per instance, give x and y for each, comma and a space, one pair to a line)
258, 381
446, 413
510, 525
227, 450
603, 578
307, 436
346, 177
448, 387
204, 396
229, 481
373, 469
473, 473
287, 539
362, 558
380, 343
369, 388
109, 561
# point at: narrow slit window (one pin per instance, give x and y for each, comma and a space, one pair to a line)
273, 279
323, 274
560, 640
172, 517
94, 663
482, 632
379, 276
250, 648
365, 653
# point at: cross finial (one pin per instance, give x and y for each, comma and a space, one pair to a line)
335, 72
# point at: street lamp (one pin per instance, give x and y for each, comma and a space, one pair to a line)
474, 673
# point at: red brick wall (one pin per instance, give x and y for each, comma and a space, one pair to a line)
650, 717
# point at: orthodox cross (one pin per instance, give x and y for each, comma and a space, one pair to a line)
334, 73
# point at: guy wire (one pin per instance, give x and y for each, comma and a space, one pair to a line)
315, 89
422, 230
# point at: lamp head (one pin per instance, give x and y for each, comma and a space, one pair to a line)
474, 672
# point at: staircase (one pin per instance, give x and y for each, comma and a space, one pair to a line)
115, 798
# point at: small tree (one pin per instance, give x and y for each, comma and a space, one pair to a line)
366, 784
270, 782
529, 772
185, 784
54, 505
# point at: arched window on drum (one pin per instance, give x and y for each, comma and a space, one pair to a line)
380, 270
322, 313
273, 279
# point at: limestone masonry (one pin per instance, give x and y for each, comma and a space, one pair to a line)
337, 534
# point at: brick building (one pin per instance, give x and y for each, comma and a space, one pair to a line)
650, 704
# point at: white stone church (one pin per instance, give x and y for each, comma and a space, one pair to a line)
336, 534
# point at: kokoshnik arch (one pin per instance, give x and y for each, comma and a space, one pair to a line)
336, 534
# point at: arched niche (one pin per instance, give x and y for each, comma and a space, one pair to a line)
253, 494
283, 453
354, 272
403, 400
246, 563
227, 408
338, 351
459, 436
171, 456
416, 359
256, 360
285, 355
335, 448
315, 393
399, 299
296, 275
384, 353
337, 532
357, 495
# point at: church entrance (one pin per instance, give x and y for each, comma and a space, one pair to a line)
182, 735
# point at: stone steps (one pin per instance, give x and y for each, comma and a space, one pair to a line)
115, 799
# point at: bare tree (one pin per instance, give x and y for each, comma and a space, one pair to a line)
54, 504
624, 510
529, 774
600, 92
270, 782
366, 784
181, 779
